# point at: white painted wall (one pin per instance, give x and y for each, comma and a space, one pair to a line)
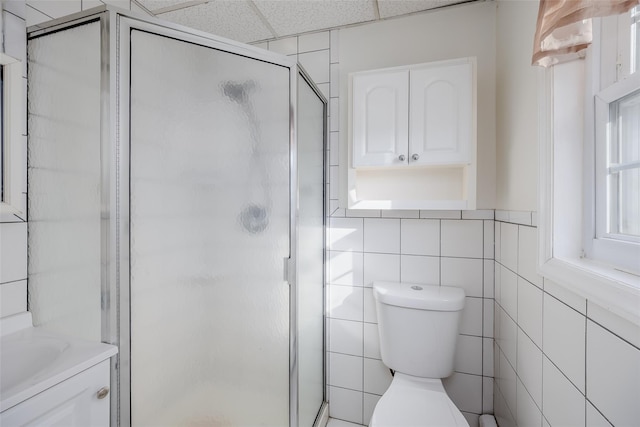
516, 107
455, 32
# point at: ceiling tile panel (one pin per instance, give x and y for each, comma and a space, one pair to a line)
389, 8
232, 19
299, 16
154, 5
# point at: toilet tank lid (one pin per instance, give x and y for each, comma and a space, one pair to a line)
421, 297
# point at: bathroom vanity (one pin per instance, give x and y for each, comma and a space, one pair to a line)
51, 379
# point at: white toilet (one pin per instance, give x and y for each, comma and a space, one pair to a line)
418, 327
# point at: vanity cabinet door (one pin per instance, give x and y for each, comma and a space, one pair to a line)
76, 402
380, 118
441, 103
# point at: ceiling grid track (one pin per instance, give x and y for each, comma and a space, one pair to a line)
262, 18
179, 6
376, 9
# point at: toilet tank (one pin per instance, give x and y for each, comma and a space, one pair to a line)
418, 327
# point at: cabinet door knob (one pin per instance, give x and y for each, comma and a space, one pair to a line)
415, 157
103, 392
401, 157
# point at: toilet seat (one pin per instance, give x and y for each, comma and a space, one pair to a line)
416, 402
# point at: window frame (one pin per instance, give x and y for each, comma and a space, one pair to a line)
566, 117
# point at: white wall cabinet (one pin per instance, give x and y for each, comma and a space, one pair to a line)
80, 401
413, 137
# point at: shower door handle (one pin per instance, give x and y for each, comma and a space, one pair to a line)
289, 270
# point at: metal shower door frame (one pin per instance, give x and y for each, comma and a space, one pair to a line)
120, 288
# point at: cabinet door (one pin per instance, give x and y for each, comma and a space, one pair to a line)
380, 118
441, 115
71, 403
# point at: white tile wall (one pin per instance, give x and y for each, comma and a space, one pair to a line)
13, 230
577, 364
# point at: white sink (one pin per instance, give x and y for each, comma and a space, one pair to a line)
33, 360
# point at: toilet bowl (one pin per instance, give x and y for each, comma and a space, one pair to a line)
413, 401
418, 329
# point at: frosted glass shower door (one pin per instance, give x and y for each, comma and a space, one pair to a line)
209, 229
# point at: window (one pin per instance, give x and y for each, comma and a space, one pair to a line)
589, 212
616, 205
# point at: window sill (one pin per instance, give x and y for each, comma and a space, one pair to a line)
614, 290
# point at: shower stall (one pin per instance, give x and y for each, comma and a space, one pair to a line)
176, 209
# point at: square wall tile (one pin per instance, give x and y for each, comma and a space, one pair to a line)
463, 238
377, 377
595, 418
346, 234
345, 404
286, 46
334, 182
528, 254
471, 319
13, 298
468, 356
563, 404
487, 395
346, 302
489, 242
370, 402
529, 365
465, 391
530, 310
363, 213
370, 314
400, 213
334, 148
488, 321
509, 246
316, 64
508, 337
489, 278
465, 273
497, 227
441, 214
345, 337
334, 115
563, 294
507, 378
381, 267
371, 341
509, 291
334, 76
623, 328
335, 45
13, 251
420, 237
613, 376
564, 339
313, 41
527, 413
420, 269
345, 371
345, 268
502, 412
487, 357
382, 235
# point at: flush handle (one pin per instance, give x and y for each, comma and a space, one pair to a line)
103, 392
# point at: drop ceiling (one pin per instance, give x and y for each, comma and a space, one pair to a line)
256, 20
